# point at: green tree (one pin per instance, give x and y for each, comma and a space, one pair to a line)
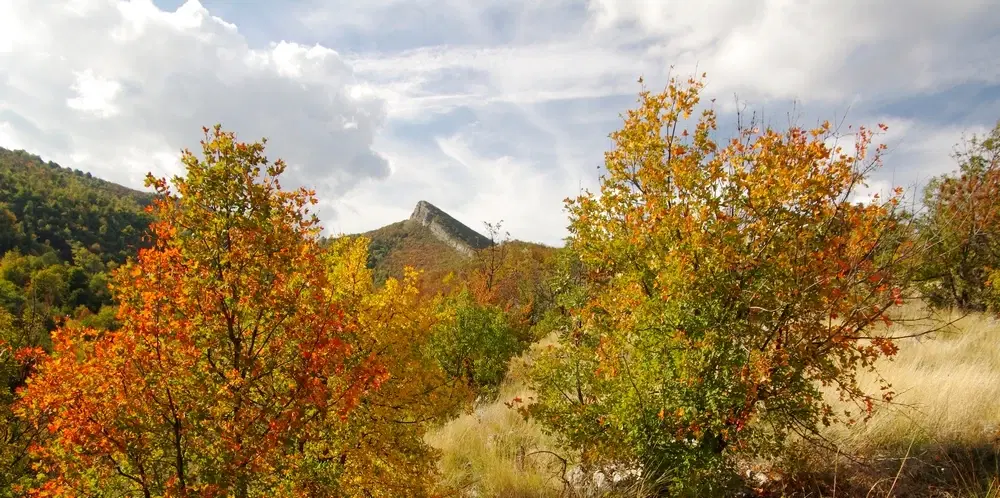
477, 345
11, 234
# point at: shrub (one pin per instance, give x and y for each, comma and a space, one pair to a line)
962, 221
477, 345
723, 286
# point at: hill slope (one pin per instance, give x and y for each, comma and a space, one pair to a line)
44, 204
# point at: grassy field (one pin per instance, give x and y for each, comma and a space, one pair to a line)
938, 438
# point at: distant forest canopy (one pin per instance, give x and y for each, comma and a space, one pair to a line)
46, 205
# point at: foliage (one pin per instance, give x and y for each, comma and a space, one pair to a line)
43, 204
19, 348
962, 221
37, 289
49, 287
250, 361
510, 275
724, 283
496, 302
477, 345
384, 437
61, 231
492, 267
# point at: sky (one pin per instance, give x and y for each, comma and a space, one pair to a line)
493, 110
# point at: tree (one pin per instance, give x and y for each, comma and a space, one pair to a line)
19, 351
383, 449
11, 234
962, 221
477, 346
249, 361
507, 274
722, 285
491, 264
49, 286
495, 308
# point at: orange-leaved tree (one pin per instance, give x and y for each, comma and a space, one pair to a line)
249, 361
723, 285
19, 351
509, 274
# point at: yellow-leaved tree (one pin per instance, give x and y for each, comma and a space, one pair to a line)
722, 285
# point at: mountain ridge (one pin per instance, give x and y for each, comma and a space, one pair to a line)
430, 240
108, 218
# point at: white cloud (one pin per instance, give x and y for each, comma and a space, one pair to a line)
819, 50
491, 110
118, 88
94, 94
824, 50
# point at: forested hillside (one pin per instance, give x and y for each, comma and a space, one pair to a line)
43, 205
408, 243
60, 231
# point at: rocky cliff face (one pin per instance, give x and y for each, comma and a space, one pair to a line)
449, 230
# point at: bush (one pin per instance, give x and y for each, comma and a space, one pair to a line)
723, 286
477, 345
962, 222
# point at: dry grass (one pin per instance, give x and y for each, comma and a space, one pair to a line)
495, 451
947, 385
938, 438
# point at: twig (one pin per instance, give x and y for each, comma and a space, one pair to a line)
900, 471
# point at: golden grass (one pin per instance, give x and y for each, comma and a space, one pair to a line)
939, 436
947, 385
495, 451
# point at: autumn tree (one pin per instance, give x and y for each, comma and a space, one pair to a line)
19, 350
11, 234
381, 443
249, 360
492, 264
510, 274
722, 286
962, 223
495, 307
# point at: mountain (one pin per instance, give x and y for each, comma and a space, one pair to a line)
430, 240
45, 207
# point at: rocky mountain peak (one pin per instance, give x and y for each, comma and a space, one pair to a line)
448, 229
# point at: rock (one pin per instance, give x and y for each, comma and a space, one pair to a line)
449, 230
